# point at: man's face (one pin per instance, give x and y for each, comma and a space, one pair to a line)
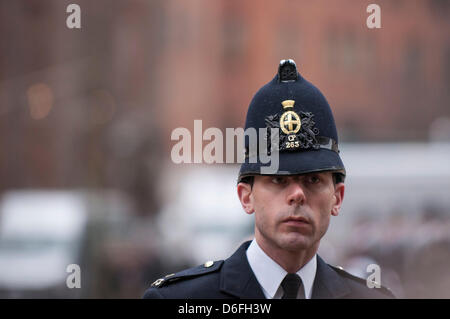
292, 212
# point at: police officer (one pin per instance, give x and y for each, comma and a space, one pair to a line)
292, 206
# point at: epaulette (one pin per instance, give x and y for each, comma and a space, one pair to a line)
363, 281
206, 268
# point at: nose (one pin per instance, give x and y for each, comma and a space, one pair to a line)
296, 195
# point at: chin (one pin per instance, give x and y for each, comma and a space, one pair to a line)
296, 243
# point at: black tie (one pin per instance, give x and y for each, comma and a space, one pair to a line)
291, 285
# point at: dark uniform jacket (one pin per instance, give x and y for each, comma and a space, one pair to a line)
233, 278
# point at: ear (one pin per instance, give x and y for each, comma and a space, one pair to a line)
338, 197
244, 191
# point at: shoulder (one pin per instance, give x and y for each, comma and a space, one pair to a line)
359, 286
197, 282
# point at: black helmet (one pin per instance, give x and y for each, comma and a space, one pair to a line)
304, 123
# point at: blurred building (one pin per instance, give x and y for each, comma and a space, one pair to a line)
94, 108
383, 84
76, 106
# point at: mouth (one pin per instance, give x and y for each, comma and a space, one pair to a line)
296, 221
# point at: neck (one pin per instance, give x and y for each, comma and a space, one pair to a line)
290, 260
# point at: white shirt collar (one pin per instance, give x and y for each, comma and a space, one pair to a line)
270, 275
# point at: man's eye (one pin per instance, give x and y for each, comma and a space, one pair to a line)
313, 179
279, 180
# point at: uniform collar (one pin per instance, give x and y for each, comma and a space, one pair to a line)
328, 283
237, 278
270, 274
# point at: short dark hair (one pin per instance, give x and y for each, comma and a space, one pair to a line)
247, 180
337, 178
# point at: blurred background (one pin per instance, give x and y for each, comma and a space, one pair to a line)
86, 117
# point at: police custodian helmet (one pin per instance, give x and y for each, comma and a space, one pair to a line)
308, 140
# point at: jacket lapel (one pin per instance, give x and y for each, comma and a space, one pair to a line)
328, 284
237, 278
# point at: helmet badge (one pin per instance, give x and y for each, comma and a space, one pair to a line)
290, 122
298, 132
